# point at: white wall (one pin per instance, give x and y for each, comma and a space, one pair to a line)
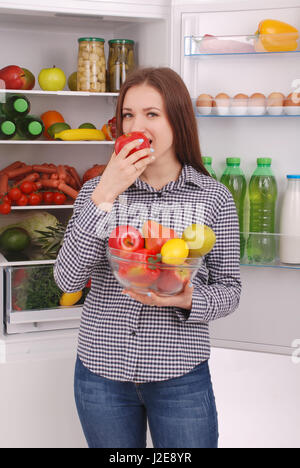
257, 398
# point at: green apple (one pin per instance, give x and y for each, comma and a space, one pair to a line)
72, 82
52, 79
200, 239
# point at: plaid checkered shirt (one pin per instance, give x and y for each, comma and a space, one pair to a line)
121, 338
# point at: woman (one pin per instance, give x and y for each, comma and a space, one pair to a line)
145, 357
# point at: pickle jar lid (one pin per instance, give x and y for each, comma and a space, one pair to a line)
89, 39
35, 128
8, 127
121, 41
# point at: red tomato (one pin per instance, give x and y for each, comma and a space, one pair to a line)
34, 199
23, 200
126, 238
27, 187
59, 198
14, 194
48, 197
127, 138
5, 208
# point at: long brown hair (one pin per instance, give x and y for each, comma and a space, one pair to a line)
179, 110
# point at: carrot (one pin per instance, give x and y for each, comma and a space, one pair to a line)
68, 190
61, 171
3, 184
19, 171
75, 175
14, 165
43, 169
50, 183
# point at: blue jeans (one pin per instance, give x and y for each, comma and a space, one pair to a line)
181, 412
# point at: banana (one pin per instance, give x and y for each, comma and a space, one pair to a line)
78, 134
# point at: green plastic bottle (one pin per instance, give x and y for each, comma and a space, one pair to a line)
30, 127
7, 128
261, 247
16, 106
207, 164
234, 179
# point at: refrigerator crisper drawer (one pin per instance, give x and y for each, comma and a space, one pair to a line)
32, 301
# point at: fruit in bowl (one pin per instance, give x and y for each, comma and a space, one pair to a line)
157, 259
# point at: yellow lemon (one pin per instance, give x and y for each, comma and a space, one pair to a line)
69, 299
174, 252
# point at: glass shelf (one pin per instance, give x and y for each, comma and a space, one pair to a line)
271, 250
235, 45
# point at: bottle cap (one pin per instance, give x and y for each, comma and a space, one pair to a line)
89, 39
121, 41
20, 105
206, 159
233, 161
293, 176
35, 128
264, 161
8, 127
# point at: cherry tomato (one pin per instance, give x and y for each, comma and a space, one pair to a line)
23, 200
59, 198
14, 194
5, 208
27, 187
34, 198
48, 197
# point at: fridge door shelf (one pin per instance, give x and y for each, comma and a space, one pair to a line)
271, 250
235, 45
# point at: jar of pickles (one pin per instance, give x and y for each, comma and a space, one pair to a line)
91, 70
120, 62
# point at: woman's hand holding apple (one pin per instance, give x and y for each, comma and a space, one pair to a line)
121, 171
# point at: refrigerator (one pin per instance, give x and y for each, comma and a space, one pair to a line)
36, 35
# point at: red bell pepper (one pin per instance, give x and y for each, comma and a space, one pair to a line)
142, 269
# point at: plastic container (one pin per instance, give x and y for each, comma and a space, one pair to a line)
91, 69
234, 179
17, 105
7, 128
120, 62
261, 246
30, 127
289, 247
207, 161
164, 279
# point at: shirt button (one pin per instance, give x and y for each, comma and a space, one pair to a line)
133, 333
159, 195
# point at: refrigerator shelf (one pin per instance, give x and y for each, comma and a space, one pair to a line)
42, 207
56, 93
233, 45
42, 142
247, 115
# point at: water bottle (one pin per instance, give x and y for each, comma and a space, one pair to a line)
16, 106
207, 164
289, 250
234, 179
30, 127
7, 128
261, 246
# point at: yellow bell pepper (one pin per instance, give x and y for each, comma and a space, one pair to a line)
276, 36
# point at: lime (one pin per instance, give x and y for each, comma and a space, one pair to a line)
57, 128
14, 239
72, 82
87, 125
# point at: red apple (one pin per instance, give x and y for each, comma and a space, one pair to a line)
17, 78
127, 138
173, 281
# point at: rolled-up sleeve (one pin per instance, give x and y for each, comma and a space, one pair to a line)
84, 243
217, 294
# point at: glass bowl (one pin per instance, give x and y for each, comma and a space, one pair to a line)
136, 271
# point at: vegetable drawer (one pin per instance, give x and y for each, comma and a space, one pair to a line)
32, 301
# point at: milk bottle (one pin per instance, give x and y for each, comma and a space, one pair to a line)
289, 250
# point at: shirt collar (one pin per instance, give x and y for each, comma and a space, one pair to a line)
188, 175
